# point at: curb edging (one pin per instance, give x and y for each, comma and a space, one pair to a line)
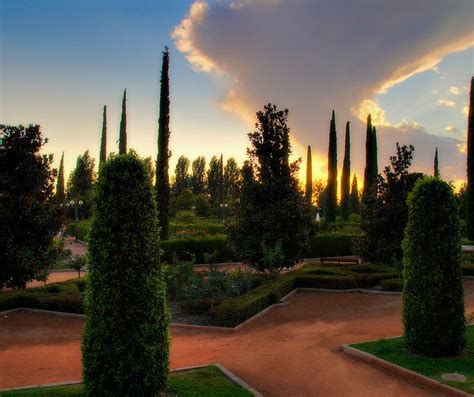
408, 374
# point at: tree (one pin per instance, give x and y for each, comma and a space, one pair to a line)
370, 172
81, 183
355, 204
29, 215
436, 164
331, 201
60, 193
384, 212
220, 187
470, 167
123, 125
125, 344
213, 181
182, 180
346, 175
231, 180
433, 309
309, 176
319, 193
272, 220
198, 178
375, 166
103, 139
162, 162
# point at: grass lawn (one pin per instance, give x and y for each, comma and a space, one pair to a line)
394, 351
205, 382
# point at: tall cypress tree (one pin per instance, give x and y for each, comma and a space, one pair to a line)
162, 162
369, 157
375, 163
355, 205
123, 125
436, 164
103, 139
60, 195
346, 175
309, 176
470, 167
331, 201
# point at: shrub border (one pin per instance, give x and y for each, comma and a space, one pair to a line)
408, 374
230, 375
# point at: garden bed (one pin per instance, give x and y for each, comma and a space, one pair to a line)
394, 351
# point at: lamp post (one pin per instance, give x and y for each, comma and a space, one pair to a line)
193, 208
318, 218
75, 204
223, 207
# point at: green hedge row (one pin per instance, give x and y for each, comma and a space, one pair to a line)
82, 229
330, 244
216, 248
208, 228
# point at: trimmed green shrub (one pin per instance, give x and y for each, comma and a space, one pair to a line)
125, 345
330, 244
392, 284
196, 249
82, 229
433, 311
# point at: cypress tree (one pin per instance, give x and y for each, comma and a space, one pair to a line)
123, 125
60, 195
309, 176
103, 139
355, 205
375, 166
470, 167
331, 201
369, 158
220, 186
162, 163
436, 164
346, 175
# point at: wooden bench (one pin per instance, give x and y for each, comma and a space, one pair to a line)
340, 260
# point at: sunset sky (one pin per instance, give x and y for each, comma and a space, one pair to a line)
407, 62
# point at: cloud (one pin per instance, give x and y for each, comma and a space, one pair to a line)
446, 103
451, 129
312, 56
465, 111
455, 90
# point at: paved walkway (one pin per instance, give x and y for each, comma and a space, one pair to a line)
291, 351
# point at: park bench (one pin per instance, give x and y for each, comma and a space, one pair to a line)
340, 260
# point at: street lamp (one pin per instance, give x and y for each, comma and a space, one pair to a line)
193, 208
318, 218
223, 207
75, 204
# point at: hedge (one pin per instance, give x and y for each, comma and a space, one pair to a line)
197, 248
82, 229
392, 284
207, 228
330, 244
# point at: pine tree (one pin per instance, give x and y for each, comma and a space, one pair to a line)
123, 125
331, 201
355, 204
60, 194
369, 158
309, 176
103, 139
470, 167
436, 164
162, 162
346, 175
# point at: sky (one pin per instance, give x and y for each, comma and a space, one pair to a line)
408, 63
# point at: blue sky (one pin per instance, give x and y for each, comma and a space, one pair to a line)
61, 61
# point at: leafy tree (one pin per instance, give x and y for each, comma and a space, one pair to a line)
384, 214
198, 178
182, 180
213, 180
220, 187
309, 176
272, 219
433, 309
60, 193
331, 200
162, 162
29, 216
346, 175
123, 125
319, 193
103, 138
81, 183
470, 167
436, 164
125, 344
231, 179
355, 204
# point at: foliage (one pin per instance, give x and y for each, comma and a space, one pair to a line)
198, 177
433, 310
470, 167
213, 181
182, 181
436, 173
187, 249
125, 295
395, 351
60, 190
29, 215
82, 229
103, 138
272, 210
354, 198
81, 186
123, 126
392, 284
384, 214
371, 168
231, 180
331, 198
162, 162
330, 244
346, 176
309, 176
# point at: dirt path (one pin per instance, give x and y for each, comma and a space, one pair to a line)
291, 351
